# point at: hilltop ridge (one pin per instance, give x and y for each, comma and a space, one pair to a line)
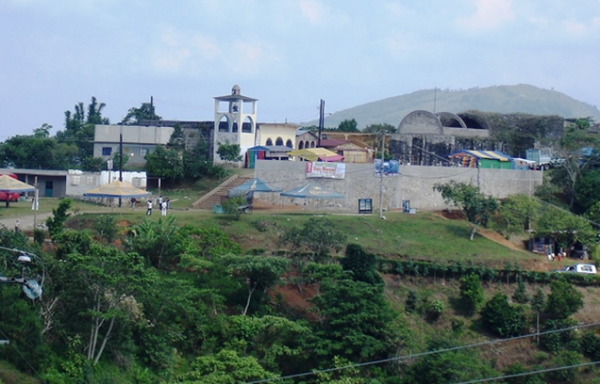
521, 98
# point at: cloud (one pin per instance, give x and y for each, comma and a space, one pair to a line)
313, 11
488, 15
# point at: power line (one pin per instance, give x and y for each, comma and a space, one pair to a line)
426, 353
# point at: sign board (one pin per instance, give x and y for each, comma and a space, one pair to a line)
390, 168
325, 170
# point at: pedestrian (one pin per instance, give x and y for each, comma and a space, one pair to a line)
133, 201
160, 201
168, 203
163, 208
149, 210
17, 226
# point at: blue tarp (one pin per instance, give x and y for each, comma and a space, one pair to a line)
312, 191
255, 185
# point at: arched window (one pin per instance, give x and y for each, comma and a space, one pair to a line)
301, 145
312, 144
279, 141
269, 142
289, 144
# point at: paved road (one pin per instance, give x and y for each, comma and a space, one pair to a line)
25, 222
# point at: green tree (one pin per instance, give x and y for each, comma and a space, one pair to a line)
80, 127
565, 359
225, 367
538, 303
378, 128
56, 222
348, 126
43, 131
229, 152
565, 228
363, 265
259, 272
501, 318
517, 369
106, 227
318, 236
477, 207
102, 286
355, 321
145, 112
177, 139
37, 152
471, 293
569, 171
166, 163
117, 160
157, 241
196, 162
516, 214
520, 295
587, 190
563, 300
447, 366
274, 341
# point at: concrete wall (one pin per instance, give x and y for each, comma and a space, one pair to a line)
415, 183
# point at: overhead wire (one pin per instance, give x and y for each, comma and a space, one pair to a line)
421, 354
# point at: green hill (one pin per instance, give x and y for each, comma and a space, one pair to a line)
520, 98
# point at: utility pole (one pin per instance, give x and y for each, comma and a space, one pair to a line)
381, 177
321, 121
120, 161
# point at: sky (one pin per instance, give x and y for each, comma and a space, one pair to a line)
288, 54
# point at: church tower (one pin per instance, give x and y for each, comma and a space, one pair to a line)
235, 121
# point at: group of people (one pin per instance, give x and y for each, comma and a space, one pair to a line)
162, 204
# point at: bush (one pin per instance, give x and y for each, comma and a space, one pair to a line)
471, 293
435, 308
501, 318
39, 235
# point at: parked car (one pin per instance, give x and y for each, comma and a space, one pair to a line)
578, 268
10, 196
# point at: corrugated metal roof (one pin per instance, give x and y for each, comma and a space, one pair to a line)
492, 155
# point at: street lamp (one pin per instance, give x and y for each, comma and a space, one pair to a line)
31, 287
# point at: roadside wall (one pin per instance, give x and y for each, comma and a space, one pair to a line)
415, 183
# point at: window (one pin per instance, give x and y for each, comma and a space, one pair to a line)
143, 152
269, 142
106, 151
279, 141
289, 144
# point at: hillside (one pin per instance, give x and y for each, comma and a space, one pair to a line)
520, 98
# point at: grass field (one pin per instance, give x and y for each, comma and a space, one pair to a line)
425, 235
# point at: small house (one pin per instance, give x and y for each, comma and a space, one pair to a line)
482, 159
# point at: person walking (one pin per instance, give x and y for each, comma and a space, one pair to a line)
149, 206
17, 224
163, 208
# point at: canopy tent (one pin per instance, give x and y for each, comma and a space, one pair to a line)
254, 185
9, 184
312, 191
116, 189
316, 154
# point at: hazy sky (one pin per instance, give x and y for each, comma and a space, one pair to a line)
289, 54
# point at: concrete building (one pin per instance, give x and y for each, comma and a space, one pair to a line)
234, 122
138, 141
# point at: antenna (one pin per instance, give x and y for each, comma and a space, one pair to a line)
321, 121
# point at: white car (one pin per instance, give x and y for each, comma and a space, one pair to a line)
589, 269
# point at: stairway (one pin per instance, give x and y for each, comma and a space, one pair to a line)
215, 196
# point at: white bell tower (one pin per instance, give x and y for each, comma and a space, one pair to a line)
235, 121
